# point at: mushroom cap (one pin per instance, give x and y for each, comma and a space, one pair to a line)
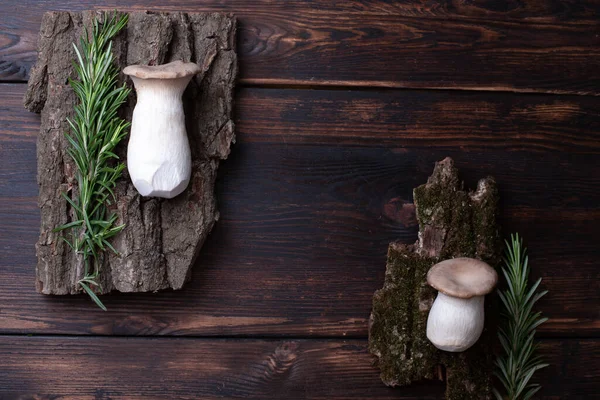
462, 277
172, 70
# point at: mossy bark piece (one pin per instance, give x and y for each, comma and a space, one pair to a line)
452, 223
162, 238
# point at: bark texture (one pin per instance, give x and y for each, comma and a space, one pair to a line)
162, 238
452, 223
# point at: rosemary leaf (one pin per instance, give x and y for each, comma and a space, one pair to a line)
92, 294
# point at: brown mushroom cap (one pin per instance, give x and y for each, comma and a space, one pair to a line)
172, 70
462, 277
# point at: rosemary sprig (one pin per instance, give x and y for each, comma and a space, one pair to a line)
95, 132
517, 365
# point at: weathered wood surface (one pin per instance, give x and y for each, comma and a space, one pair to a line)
454, 221
312, 197
158, 368
540, 45
317, 187
161, 238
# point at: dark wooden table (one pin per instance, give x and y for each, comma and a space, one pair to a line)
342, 108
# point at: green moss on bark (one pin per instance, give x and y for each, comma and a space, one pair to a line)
395, 325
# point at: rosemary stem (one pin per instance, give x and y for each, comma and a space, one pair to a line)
93, 138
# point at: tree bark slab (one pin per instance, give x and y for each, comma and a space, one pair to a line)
452, 223
162, 238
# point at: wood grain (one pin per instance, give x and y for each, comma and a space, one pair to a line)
117, 368
410, 119
308, 225
540, 46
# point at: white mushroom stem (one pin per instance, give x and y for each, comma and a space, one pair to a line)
158, 155
455, 324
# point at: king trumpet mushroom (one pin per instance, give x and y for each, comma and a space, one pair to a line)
456, 318
158, 155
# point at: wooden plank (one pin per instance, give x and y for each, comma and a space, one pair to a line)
38, 367
540, 46
396, 118
307, 226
